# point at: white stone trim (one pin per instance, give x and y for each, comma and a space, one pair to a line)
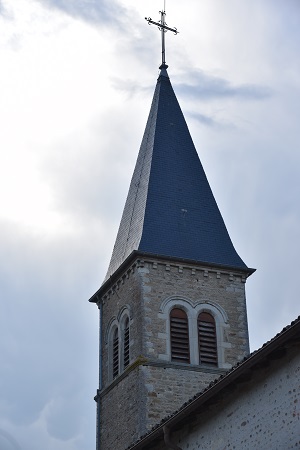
114, 325
169, 303
221, 321
125, 310
123, 318
111, 323
117, 322
193, 309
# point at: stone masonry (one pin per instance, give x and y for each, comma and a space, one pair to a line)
262, 414
153, 386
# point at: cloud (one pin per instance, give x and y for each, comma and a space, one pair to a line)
202, 118
131, 87
75, 104
7, 442
201, 86
104, 12
7, 15
3, 9
207, 120
207, 87
47, 329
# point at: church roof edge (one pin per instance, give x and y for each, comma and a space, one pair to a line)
275, 347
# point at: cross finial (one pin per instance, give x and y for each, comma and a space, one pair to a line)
162, 26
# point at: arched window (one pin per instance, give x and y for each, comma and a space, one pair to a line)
179, 334
207, 339
115, 353
126, 357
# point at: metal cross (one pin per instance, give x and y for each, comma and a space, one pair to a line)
162, 26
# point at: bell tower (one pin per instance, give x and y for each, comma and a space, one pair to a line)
172, 305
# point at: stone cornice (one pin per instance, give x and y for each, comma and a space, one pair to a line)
138, 260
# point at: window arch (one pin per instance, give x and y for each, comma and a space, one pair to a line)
118, 343
179, 336
192, 311
207, 339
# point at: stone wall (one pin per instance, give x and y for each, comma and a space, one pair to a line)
261, 414
153, 386
167, 388
162, 281
126, 294
123, 409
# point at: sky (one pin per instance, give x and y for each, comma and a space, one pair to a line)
76, 83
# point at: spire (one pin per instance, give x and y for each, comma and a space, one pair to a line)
170, 209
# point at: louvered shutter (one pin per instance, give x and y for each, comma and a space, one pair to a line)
180, 350
115, 354
126, 344
207, 339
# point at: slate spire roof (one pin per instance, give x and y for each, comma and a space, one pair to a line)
170, 209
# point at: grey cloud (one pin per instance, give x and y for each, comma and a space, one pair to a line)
202, 86
77, 171
130, 87
7, 442
208, 120
210, 87
4, 12
95, 11
2, 8
44, 354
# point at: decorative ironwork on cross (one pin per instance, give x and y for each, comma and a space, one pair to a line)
162, 26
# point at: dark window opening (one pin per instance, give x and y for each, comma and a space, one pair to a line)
207, 339
180, 349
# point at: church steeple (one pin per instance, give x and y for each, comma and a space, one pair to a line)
172, 306
170, 209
